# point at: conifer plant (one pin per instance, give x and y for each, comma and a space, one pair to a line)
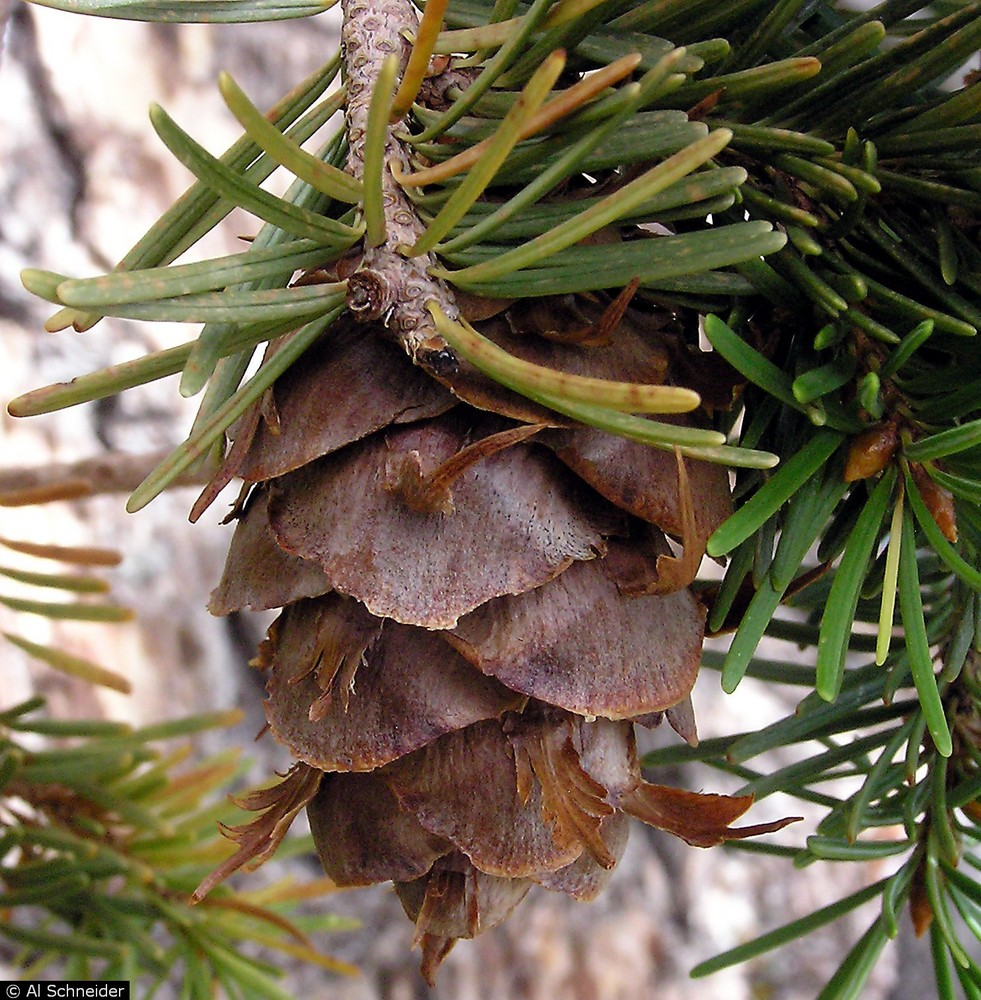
577, 293
104, 833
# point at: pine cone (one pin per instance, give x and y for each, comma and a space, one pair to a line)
479, 601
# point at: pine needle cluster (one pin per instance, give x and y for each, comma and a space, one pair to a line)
106, 828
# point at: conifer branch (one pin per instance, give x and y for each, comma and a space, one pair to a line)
115, 472
388, 286
777, 176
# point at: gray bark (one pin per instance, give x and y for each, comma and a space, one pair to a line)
387, 285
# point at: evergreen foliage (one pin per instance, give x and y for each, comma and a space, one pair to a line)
799, 183
105, 830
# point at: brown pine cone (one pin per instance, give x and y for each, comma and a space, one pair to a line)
479, 599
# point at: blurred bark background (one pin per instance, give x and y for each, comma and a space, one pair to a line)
81, 177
